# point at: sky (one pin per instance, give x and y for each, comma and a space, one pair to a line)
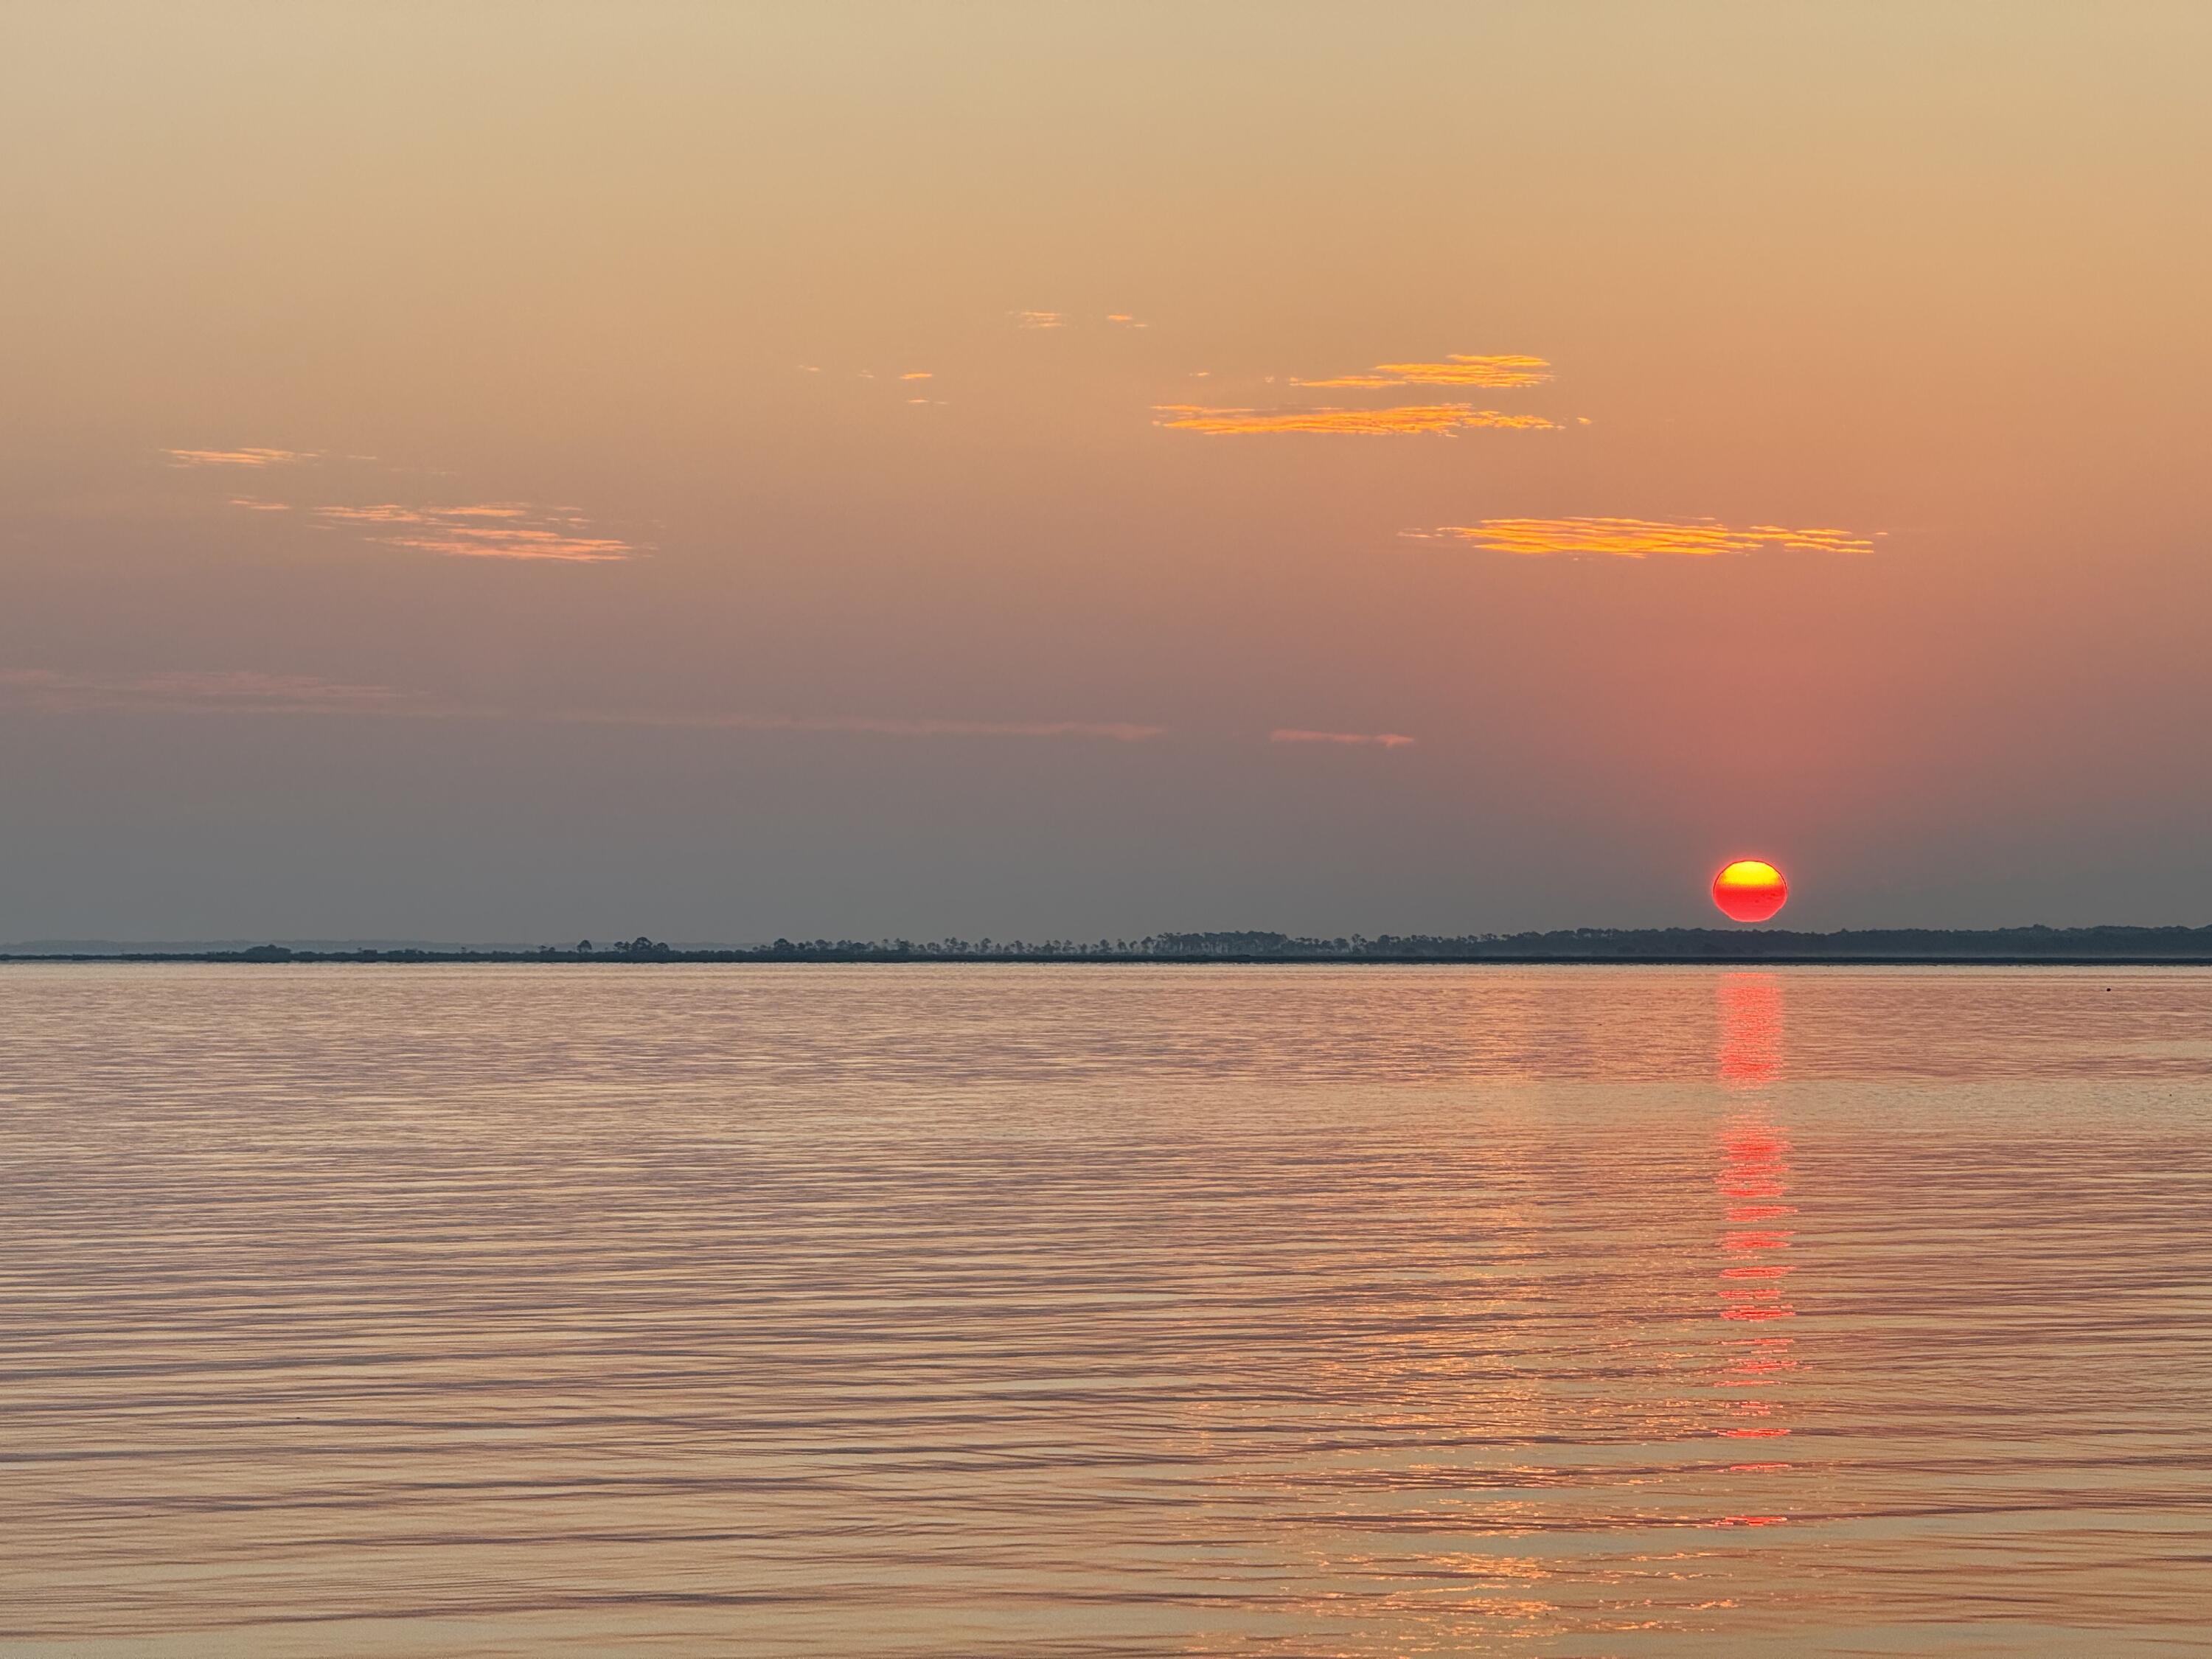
536, 471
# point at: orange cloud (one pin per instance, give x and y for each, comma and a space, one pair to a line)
918, 374
1039, 320
1377, 739
496, 530
1413, 420
1639, 538
1457, 369
501, 530
237, 457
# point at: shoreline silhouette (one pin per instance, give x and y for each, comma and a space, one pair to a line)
1991, 946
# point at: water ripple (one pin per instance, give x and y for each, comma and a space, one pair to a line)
1314, 1311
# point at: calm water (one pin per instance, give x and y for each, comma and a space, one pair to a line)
1059, 1311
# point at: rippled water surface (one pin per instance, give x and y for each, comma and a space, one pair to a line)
1101, 1311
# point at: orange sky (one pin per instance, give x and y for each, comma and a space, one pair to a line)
517, 473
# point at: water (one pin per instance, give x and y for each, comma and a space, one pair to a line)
1096, 1311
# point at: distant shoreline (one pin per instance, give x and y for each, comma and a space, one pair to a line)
2086, 947
727, 959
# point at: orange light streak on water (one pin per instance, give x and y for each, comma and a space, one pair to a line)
1754, 1163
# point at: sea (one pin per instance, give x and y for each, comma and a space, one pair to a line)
998, 1309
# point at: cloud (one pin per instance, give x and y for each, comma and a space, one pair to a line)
238, 457
1413, 420
1457, 369
880, 726
492, 530
223, 692
1125, 320
1639, 538
1376, 739
243, 691
918, 374
1039, 320
496, 530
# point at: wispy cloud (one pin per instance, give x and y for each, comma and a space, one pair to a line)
1457, 369
491, 529
1639, 538
224, 691
875, 725
1413, 420
238, 457
1373, 739
1125, 320
918, 374
496, 530
244, 691
1040, 319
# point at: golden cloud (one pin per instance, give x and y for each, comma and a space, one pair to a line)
1639, 538
237, 457
1039, 320
1376, 739
1457, 369
1410, 420
499, 529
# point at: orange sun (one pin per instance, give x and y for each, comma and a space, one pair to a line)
1750, 890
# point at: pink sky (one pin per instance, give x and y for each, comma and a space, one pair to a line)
1087, 471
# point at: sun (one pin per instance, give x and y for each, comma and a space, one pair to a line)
1750, 890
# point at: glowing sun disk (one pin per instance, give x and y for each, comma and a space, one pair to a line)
1750, 890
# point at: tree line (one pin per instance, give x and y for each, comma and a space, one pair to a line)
1586, 944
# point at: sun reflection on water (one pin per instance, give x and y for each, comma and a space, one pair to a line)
1753, 1182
